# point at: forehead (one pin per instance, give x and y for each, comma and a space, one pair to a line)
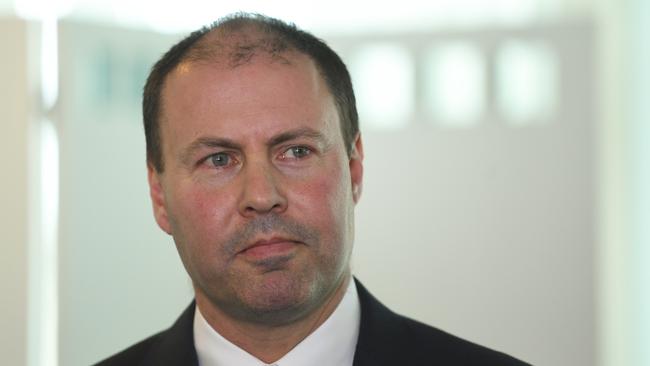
266, 90
237, 46
258, 74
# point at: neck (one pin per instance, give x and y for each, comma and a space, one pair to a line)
265, 342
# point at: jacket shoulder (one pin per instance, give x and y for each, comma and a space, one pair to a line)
427, 343
135, 354
387, 338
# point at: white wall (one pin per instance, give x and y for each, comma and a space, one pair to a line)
7, 7
14, 114
614, 315
120, 276
639, 155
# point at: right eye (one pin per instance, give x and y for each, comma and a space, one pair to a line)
219, 160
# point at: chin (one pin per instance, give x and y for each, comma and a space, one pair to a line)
281, 298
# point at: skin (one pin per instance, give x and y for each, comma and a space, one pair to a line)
258, 192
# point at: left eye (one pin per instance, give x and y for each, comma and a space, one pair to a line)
297, 152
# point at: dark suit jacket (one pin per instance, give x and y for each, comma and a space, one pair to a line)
385, 338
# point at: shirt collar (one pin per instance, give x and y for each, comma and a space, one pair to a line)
332, 344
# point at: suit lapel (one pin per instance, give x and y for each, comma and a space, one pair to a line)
176, 347
377, 333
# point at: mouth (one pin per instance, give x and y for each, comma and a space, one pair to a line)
264, 249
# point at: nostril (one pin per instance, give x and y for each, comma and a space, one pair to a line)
264, 208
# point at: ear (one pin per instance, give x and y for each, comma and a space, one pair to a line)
356, 167
158, 199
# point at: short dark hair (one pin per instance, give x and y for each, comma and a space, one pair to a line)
277, 37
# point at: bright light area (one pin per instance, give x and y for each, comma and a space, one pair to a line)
43, 276
50, 222
527, 82
45, 9
455, 88
49, 63
43, 250
383, 77
336, 16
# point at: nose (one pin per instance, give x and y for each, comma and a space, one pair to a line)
261, 190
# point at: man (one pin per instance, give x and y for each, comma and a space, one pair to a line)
255, 166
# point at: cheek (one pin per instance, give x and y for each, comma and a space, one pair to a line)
199, 220
329, 206
323, 201
201, 215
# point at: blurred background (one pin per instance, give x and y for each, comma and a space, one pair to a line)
507, 188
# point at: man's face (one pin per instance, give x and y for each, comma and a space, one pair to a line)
258, 190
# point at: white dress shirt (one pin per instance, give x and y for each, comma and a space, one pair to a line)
331, 344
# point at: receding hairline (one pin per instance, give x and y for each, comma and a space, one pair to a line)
244, 42
292, 58
229, 46
237, 42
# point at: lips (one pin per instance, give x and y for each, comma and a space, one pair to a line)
266, 248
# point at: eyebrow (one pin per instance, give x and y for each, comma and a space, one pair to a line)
304, 132
212, 142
